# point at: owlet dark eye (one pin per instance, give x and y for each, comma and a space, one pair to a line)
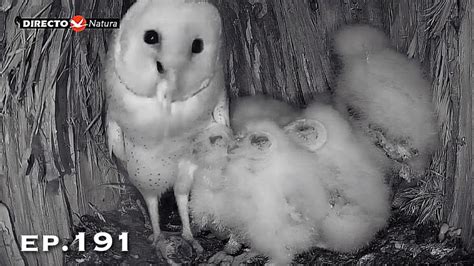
260, 141
197, 46
303, 128
151, 37
213, 139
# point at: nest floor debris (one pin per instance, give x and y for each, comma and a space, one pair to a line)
400, 242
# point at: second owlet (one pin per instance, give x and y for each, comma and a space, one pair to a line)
164, 84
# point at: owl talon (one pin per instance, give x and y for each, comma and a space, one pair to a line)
174, 249
221, 257
196, 246
245, 258
193, 242
155, 238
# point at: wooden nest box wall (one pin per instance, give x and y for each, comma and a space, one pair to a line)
53, 155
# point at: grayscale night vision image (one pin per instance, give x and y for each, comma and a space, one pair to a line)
235, 132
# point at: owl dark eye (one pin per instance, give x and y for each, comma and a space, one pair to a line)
213, 139
197, 46
260, 141
303, 128
151, 37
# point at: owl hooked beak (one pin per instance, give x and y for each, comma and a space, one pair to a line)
169, 88
231, 149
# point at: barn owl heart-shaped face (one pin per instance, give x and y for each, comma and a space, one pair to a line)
308, 133
168, 41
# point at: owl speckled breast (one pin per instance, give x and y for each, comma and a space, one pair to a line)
149, 166
152, 166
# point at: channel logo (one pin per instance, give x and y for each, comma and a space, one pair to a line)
77, 23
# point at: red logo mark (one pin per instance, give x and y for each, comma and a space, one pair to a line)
78, 23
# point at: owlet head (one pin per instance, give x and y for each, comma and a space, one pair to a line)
168, 41
258, 140
212, 139
309, 133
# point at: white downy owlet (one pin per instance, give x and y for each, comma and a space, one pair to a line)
385, 94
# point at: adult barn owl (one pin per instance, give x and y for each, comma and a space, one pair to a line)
164, 84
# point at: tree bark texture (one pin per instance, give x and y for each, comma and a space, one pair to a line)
53, 157
9, 251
